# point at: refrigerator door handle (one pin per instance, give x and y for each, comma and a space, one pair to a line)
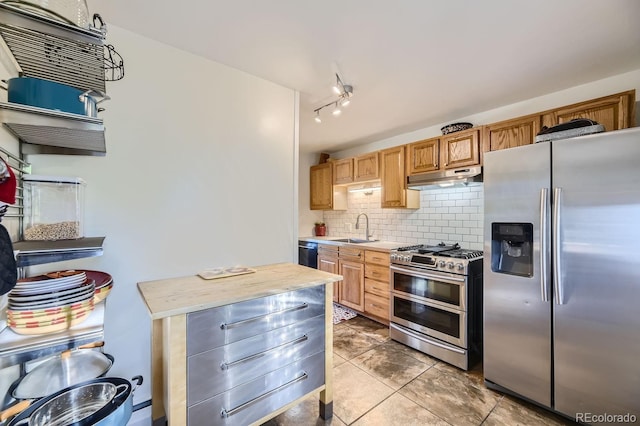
555, 241
544, 244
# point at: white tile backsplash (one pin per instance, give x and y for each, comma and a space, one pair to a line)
448, 214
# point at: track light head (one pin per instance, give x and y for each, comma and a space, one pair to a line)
344, 93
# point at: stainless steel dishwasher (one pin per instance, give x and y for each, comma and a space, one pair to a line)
308, 254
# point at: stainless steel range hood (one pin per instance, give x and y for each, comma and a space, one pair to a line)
465, 176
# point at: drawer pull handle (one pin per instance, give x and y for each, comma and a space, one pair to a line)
227, 365
225, 326
225, 414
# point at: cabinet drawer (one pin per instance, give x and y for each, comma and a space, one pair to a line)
376, 287
352, 254
380, 273
219, 326
212, 372
376, 257
328, 250
251, 401
376, 305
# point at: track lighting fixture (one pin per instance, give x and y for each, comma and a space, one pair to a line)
344, 93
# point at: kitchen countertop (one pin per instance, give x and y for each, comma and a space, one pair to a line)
174, 296
374, 245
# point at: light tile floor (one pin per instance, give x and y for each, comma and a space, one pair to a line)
378, 381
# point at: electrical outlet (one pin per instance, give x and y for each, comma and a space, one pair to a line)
348, 227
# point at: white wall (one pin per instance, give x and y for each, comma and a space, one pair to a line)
307, 217
200, 172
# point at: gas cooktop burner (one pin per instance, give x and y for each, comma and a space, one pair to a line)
462, 254
408, 248
434, 257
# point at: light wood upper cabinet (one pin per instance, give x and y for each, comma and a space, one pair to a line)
613, 112
423, 156
343, 171
394, 192
460, 149
323, 195
511, 133
366, 167
321, 179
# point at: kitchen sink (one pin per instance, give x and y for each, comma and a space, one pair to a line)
353, 241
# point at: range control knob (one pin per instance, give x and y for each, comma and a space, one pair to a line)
450, 265
442, 263
393, 256
460, 266
407, 258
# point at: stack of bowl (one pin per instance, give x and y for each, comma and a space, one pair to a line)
50, 303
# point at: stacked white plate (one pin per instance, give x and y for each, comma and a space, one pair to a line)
42, 292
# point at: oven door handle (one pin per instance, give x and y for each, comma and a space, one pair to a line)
430, 303
444, 278
426, 339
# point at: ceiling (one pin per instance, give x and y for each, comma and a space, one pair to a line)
412, 63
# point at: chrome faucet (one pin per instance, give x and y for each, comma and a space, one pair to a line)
367, 225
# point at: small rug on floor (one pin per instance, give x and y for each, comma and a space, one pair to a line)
340, 313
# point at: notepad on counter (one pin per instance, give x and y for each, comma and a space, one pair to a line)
214, 273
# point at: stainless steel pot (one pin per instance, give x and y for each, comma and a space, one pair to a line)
93, 402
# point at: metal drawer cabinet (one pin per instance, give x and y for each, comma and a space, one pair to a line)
219, 326
215, 371
251, 401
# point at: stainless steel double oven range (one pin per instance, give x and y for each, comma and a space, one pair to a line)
436, 302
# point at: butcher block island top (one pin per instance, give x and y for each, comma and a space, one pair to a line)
191, 318
174, 296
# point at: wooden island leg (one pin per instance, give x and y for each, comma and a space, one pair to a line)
326, 396
157, 405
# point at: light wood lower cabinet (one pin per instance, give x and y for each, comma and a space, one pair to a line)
365, 283
376, 285
328, 262
352, 286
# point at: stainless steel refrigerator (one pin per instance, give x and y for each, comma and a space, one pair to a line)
562, 274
